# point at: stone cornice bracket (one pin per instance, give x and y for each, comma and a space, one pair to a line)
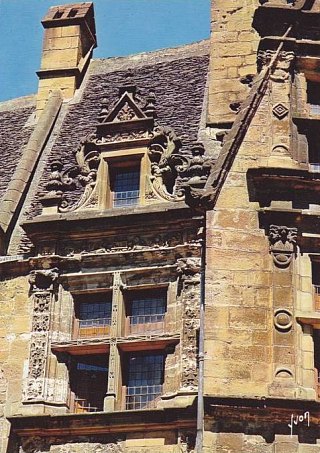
283, 244
43, 280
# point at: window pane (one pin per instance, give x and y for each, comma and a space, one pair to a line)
145, 370
126, 187
148, 305
94, 310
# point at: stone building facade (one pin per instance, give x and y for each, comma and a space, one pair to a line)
159, 238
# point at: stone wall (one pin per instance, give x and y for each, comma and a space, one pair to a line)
15, 325
233, 57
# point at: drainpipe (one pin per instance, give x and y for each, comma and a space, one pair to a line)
200, 400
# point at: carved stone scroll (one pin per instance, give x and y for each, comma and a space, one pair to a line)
189, 270
283, 244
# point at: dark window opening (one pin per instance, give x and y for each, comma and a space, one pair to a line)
316, 284
316, 340
146, 311
93, 315
313, 138
88, 382
73, 12
145, 375
58, 15
125, 186
313, 97
313, 92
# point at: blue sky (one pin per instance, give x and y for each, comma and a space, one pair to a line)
123, 27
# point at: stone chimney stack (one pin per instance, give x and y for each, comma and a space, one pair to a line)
69, 39
233, 57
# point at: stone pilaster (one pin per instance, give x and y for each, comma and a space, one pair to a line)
43, 285
189, 269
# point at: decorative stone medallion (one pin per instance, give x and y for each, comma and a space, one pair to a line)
283, 319
280, 111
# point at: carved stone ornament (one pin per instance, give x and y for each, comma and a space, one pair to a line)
286, 3
88, 160
282, 67
280, 149
43, 279
284, 373
41, 445
42, 286
283, 320
122, 243
189, 270
280, 111
187, 441
177, 177
161, 150
41, 312
283, 244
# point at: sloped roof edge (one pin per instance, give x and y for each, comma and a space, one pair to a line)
112, 64
18, 103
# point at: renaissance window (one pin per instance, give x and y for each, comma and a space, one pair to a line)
144, 380
93, 315
125, 186
88, 382
146, 311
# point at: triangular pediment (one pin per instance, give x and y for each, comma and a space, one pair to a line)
126, 109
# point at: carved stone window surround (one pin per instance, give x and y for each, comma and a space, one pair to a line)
112, 160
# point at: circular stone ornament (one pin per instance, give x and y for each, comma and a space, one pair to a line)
283, 319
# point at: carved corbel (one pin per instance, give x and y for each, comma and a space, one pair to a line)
283, 244
43, 280
282, 67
